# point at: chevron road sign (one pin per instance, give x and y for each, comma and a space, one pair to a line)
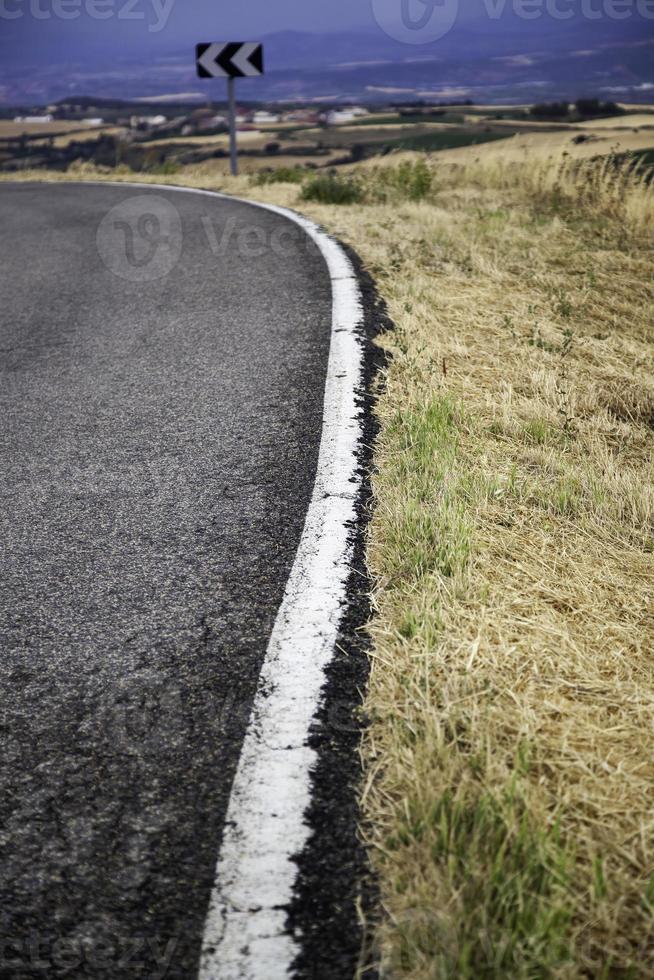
234, 60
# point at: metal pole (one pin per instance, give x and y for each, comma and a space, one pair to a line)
232, 127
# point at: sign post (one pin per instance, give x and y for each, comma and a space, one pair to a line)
233, 149
230, 60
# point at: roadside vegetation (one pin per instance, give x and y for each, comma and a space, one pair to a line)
509, 757
510, 750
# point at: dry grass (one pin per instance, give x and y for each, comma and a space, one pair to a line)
526, 147
510, 755
12, 130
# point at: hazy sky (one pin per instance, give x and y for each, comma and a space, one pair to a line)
60, 32
104, 23
34, 30
106, 20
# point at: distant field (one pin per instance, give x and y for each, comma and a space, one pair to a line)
83, 136
457, 132
620, 122
12, 130
419, 118
433, 142
251, 138
541, 145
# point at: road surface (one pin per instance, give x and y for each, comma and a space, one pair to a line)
162, 360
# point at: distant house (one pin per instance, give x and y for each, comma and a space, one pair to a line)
203, 120
309, 116
34, 119
261, 117
94, 121
339, 116
210, 121
146, 122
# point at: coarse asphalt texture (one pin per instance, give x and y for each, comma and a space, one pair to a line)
163, 360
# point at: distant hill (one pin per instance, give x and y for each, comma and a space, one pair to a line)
502, 60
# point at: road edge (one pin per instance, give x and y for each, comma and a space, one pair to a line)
246, 931
247, 934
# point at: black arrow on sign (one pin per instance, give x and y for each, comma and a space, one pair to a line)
236, 59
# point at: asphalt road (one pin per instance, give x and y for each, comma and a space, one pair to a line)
162, 373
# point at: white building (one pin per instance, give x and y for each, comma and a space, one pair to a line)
260, 117
339, 116
33, 119
149, 121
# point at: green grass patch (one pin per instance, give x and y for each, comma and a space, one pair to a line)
333, 189
510, 879
280, 175
540, 432
454, 118
429, 530
412, 180
165, 169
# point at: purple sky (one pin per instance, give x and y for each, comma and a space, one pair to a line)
121, 37
29, 29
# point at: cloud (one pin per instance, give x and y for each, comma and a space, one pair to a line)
643, 87
451, 92
390, 90
517, 60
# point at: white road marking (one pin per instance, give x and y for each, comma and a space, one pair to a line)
245, 935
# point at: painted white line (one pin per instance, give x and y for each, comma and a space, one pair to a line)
245, 936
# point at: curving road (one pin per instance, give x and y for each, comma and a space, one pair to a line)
162, 363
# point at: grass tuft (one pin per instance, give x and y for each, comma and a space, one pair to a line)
280, 175
332, 189
509, 884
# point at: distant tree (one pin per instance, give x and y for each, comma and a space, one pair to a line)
550, 110
592, 108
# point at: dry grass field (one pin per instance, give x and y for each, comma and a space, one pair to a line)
12, 130
85, 135
249, 138
509, 757
526, 147
629, 121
